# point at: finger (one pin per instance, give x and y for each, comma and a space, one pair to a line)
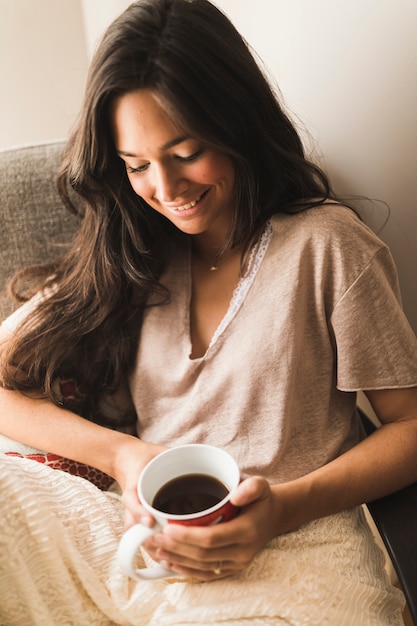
128, 519
204, 572
223, 535
199, 558
249, 491
202, 576
135, 513
138, 517
199, 539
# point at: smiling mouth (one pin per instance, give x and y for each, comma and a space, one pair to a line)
189, 205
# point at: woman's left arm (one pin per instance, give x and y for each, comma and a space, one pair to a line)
383, 463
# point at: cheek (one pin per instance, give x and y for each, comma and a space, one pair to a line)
221, 168
139, 185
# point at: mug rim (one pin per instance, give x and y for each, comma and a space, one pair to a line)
187, 516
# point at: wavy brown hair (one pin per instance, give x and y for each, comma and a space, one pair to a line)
204, 73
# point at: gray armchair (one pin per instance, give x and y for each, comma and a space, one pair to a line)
34, 226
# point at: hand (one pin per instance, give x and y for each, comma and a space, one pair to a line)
199, 552
132, 459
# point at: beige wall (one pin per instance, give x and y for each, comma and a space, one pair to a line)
43, 60
346, 69
97, 14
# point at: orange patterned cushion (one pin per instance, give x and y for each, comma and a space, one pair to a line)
95, 476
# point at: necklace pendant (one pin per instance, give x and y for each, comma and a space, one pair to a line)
213, 268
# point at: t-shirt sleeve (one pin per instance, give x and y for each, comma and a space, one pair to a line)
375, 344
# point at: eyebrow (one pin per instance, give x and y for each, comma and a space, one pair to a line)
165, 146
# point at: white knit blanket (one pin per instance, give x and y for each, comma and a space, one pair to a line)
58, 540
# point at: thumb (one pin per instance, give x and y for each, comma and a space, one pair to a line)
249, 491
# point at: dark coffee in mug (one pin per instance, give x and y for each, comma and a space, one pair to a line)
190, 493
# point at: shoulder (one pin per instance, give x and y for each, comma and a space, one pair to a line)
330, 228
328, 245
331, 217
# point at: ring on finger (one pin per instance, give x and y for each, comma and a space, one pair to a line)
218, 570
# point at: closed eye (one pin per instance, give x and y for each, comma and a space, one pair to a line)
133, 170
192, 157
182, 159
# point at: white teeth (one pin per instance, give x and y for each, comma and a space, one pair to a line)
190, 205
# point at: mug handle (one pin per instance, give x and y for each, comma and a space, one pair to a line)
129, 545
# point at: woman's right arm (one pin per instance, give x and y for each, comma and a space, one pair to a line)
39, 423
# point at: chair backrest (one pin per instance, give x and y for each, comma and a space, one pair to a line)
34, 224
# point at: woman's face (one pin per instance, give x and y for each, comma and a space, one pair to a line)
189, 184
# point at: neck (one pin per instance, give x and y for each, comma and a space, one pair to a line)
214, 258
208, 250
209, 257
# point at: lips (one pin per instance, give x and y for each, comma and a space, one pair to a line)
190, 205
187, 207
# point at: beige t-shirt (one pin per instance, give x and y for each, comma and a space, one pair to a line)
320, 319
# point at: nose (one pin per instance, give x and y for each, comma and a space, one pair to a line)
168, 182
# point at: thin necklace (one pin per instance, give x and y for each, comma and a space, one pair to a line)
217, 260
215, 265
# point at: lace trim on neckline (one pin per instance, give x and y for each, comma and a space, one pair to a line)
256, 256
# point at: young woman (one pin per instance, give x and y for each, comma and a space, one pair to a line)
216, 292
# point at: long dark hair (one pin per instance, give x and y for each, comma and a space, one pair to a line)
190, 54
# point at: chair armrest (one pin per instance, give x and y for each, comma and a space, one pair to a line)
395, 517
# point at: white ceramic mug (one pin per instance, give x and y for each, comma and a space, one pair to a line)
191, 459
